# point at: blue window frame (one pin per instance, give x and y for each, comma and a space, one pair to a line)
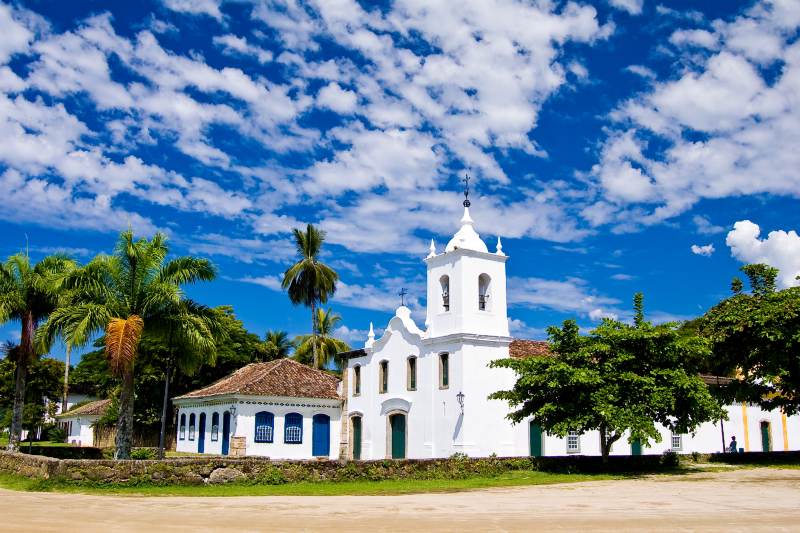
293, 428
265, 426
182, 428
191, 426
215, 427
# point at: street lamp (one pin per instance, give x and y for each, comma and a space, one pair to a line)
460, 399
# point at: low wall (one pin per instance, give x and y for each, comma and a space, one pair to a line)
199, 470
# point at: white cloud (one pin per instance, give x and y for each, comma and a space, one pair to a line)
622, 277
333, 97
781, 249
235, 45
196, 7
633, 7
16, 36
270, 282
572, 295
704, 226
706, 250
521, 330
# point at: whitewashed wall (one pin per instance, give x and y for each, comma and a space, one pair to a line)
81, 432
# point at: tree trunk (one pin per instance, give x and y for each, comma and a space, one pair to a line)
66, 379
605, 444
164, 407
124, 437
26, 355
314, 333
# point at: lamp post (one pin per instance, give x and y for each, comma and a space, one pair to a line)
460, 399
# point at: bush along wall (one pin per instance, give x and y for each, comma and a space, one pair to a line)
259, 470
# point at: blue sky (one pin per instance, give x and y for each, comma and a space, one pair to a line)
616, 146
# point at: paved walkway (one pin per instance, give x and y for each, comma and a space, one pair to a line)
740, 500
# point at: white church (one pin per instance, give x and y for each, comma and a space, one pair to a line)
422, 393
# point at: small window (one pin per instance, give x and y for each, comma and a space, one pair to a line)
356, 380
215, 427
383, 381
182, 428
412, 373
444, 281
677, 441
265, 426
293, 431
573, 442
191, 426
444, 370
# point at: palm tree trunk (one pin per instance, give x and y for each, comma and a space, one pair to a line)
66, 379
26, 355
124, 437
164, 406
314, 333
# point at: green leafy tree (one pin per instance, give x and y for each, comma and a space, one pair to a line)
755, 337
28, 294
309, 281
320, 349
620, 378
277, 345
127, 295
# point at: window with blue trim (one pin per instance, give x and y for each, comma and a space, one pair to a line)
265, 426
191, 426
182, 430
215, 427
293, 428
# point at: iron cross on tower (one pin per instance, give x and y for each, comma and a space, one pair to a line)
402, 295
466, 190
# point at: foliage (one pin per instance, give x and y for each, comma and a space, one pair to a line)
143, 453
43, 390
131, 294
277, 345
755, 337
322, 342
618, 378
309, 281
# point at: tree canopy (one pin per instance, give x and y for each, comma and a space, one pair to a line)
755, 337
320, 349
620, 378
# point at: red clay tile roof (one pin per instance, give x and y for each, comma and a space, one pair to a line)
520, 348
282, 377
98, 407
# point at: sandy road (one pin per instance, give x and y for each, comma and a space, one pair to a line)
740, 500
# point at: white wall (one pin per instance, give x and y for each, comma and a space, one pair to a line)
243, 424
81, 432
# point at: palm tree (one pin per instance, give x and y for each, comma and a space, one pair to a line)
28, 293
321, 347
277, 345
132, 293
309, 281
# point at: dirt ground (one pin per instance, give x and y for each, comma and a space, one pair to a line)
739, 500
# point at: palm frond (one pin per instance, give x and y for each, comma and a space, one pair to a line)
122, 339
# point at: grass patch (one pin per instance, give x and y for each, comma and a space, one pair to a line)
348, 488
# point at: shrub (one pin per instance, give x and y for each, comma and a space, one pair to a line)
143, 453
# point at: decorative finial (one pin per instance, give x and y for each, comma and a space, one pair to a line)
370, 337
499, 246
402, 295
371, 333
466, 190
432, 250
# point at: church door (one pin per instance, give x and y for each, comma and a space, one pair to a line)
398, 425
321, 436
201, 434
766, 445
356, 437
226, 432
535, 436
636, 447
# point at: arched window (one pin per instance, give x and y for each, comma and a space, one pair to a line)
182, 427
411, 382
293, 430
383, 378
215, 427
356, 380
444, 281
484, 284
444, 370
191, 426
265, 426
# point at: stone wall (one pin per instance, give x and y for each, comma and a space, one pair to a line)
199, 470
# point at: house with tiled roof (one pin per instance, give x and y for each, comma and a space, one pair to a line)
280, 409
79, 421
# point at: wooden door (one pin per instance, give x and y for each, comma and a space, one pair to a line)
535, 437
356, 437
398, 424
201, 434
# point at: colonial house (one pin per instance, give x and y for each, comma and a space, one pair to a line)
79, 421
281, 409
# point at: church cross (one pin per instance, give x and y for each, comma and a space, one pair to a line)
402, 295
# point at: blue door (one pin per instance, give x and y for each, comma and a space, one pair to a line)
201, 434
321, 438
226, 432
